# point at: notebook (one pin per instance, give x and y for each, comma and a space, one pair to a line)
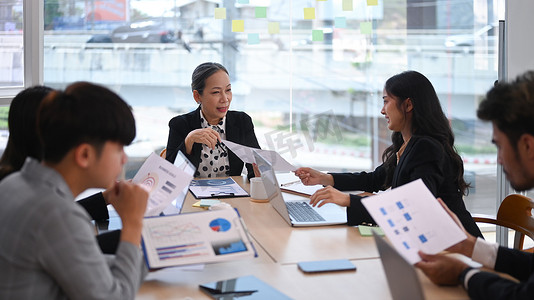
402, 278
297, 212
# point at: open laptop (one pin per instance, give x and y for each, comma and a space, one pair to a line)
185, 165
402, 278
297, 212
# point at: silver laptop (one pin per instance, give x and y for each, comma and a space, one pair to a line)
297, 212
185, 165
402, 278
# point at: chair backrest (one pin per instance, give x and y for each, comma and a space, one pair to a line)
517, 210
163, 153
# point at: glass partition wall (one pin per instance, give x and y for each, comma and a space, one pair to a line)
309, 72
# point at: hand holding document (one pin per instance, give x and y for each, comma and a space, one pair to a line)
413, 220
164, 182
246, 155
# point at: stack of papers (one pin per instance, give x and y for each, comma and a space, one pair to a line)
203, 237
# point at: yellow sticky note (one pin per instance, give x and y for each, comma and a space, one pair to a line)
309, 13
347, 5
366, 27
220, 13
238, 25
372, 2
273, 27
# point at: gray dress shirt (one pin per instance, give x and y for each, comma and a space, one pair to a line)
48, 248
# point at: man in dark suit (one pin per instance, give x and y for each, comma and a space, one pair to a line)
510, 108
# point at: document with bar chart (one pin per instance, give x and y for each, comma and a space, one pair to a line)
192, 238
413, 220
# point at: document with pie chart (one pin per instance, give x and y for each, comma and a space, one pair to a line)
192, 238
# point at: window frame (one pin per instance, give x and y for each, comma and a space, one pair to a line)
32, 41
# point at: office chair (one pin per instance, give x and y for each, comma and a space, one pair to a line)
515, 212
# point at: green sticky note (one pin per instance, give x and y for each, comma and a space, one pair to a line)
208, 202
238, 25
340, 22
243, 1
347, 5
253, 38
372, 2
366, 27
317, 35
260, 12
273, 27
367, 230
220, 13
309, 13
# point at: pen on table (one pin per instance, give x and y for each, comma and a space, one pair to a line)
290, 183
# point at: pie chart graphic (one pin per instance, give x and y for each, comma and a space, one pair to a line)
220, 225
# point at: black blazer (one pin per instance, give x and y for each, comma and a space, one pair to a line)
239, 129
519, 264
97, 208
424, 158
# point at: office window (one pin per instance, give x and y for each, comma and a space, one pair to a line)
11, 54
310, 73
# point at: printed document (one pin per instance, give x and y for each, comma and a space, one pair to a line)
164, 181
192, 238
246, 155
413, 220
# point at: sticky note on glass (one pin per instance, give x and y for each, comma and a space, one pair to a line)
260, 12
273, 27
317, 35
309, 13
366, 27
243, 1
220, 13
347, 5
238, 25
372, 2
340, 22
253, 38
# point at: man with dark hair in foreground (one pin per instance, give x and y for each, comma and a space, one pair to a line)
510, 108
48, 249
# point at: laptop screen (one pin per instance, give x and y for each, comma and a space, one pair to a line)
185, 165
402, 278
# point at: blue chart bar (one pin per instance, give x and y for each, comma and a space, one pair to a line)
178, 251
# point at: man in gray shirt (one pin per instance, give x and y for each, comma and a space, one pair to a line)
47, 248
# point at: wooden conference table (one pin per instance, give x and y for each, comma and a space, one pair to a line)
279, 248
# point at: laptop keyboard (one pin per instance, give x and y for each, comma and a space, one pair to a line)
303, 212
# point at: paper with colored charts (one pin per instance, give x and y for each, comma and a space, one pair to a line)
192, 238
413, 220
164, 181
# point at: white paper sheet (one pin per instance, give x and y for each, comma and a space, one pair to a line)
193, 238
164, 180
414, 220
246, 155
